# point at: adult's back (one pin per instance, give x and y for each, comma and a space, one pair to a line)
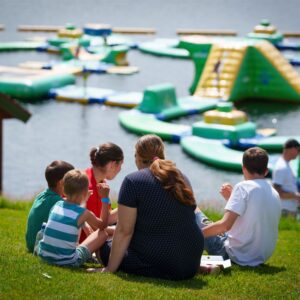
156, 234
166, 234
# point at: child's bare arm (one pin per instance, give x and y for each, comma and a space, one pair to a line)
226, 190
88, 229
92, 220
103, 190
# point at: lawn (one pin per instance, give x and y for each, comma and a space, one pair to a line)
24, 276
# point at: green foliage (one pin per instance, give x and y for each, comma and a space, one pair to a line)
24, 276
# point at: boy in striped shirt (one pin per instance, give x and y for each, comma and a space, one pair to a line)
59, 243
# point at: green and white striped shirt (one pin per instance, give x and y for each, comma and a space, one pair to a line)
59, 242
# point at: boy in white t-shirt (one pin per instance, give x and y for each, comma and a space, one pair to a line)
251, 217
284, 179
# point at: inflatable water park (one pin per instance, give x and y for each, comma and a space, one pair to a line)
94, 49
241, 69
227, 70
170, 47
218, 140
225, 73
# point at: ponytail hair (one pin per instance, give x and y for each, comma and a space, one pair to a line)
104, 154
150, 149
173, 181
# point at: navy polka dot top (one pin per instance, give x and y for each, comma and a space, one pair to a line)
167, 242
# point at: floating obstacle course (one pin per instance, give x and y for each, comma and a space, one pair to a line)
20, 46
51, 28
31, 85
264, 31
98, 53
219, 139
214, 141
164, 47
241, 69
78, 67
215, 153
72, 42
226, 69
91, 95
160, 104
224, 123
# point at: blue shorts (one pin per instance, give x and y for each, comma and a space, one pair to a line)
214, 245
84, 254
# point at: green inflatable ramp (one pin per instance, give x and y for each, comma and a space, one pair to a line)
142, 123
215, 153
31, 85
238, 69
275, 143
161, 100
160, 104
212, 152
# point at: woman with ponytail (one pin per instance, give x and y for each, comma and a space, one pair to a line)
156, 234
106, 161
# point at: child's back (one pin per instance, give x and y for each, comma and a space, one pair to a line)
252, 238
58, 245
38, 214
251, 217
43, 203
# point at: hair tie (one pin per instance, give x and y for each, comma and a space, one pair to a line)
97, 150
155, 158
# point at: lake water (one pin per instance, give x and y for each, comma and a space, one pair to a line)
67, 131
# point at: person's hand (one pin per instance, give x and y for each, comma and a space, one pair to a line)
110, 230
226, 190
103, 189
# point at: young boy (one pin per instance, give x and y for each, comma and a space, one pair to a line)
251, 217
42, 204
59, 243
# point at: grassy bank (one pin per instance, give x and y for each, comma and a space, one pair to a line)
24, 276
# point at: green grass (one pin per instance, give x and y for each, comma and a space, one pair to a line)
22, 276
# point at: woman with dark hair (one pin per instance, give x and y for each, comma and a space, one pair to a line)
156, 234
106, 161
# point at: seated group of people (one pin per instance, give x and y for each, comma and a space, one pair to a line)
159, 230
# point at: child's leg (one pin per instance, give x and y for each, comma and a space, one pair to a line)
201, 219
95, 240
214, 245
113, 217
